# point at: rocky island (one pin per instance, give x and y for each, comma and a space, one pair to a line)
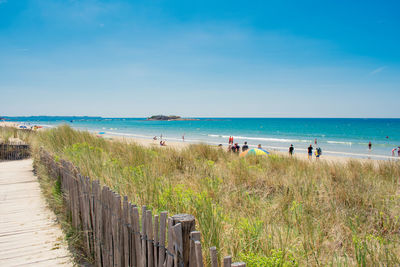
169, 118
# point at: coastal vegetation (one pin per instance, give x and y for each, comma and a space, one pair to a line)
266, 211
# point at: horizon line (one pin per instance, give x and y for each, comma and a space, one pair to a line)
195, 117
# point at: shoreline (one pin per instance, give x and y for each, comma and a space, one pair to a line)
301, 153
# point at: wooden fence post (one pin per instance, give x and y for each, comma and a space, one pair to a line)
170, 260
161, 254
199, 254
178, 245
213, 257
149, 230
144, 237
188, 225
194, 236
136, 231
227, 261
156, 239
125, 232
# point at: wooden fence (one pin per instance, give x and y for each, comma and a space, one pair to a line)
10, 151
116, 235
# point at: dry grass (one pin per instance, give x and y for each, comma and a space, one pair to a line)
274, 211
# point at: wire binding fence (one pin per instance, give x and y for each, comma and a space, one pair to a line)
116, 235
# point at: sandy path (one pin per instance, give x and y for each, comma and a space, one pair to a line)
29, 234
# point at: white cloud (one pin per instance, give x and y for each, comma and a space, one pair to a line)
376, 71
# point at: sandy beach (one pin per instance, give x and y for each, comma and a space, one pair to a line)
181, 145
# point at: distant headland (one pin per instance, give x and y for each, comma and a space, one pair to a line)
169, 118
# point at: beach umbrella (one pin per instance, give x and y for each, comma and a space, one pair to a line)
254, 151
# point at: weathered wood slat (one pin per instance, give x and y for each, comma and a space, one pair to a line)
155, 237
144, 237
125, 232
188, 225
149, 229
161, 251
194, 236
178, 245
136, 231
199, 254
170, 259
227, 261
213, 257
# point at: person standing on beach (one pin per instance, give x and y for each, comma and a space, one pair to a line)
398, 151
237, 148
310, 149
315, 141
230, 140
245, 147
183, 138
393, 151
369, 145
233, 148
291, 150
318, 152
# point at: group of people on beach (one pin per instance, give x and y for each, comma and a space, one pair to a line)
393, 150
318, 151
235, 148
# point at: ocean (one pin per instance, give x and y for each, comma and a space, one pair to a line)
336, 136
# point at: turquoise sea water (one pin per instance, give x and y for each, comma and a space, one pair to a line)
348, 137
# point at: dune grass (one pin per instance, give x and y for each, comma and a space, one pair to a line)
274, 211
8, 134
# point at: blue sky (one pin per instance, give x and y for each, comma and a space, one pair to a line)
200, 58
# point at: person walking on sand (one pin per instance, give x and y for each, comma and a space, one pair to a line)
291, 150
369, 145
310, 149
393, 151
183, 138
